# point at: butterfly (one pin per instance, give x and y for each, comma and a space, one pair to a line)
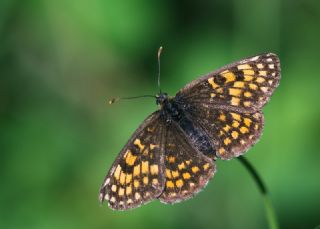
172, 154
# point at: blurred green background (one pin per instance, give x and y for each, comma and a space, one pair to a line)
61, 60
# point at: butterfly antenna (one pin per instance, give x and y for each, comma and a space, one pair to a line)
114, 100
159, 54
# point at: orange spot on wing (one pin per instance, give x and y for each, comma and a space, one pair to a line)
170, 184
145, 167
195, 169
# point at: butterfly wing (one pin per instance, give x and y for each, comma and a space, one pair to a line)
233, 133
136, 177
187, 171
243, 86
227, 102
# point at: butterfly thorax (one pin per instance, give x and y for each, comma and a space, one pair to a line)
169, 107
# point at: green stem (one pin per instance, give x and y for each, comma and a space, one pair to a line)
270, 213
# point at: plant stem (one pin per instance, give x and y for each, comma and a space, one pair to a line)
270, 213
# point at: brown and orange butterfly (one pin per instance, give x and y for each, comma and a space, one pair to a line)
172, 155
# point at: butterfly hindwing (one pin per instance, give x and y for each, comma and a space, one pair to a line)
233, 133
187, 171
243, 86
136, 177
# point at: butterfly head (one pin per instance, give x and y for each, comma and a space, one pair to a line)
161, 98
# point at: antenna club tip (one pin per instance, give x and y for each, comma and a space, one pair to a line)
159, 51
112, 101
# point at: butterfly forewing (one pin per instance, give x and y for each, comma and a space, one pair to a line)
243, 86
187, 170
136, 177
